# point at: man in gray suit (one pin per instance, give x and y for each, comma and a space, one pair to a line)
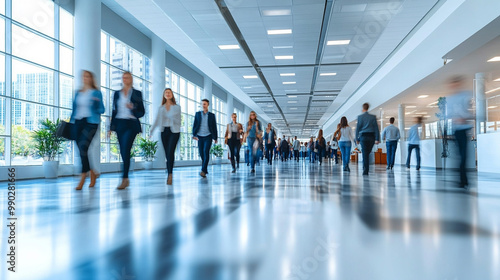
368, 134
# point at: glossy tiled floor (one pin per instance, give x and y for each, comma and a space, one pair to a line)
288, 221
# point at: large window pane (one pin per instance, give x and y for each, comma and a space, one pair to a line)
147, 70
32, 47
2, 115
66, 91
26, 118
65, 27
135, 62
116, 78
66, 60
32, 83
37, 14
2, 7
2, 33
104, 75
2, 150
119, 54
2, 75
104, 46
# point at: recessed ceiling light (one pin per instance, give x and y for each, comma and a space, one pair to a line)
247, 87
290, 90
328, 74
293, 108
279, 31
338, 42
229, 47
496, 80
411, 106
492, 107
423, 96
494, 59
495, 89
292, 96
284, 12
283, 57
250, 77
433, 103
282, 47
289, 83
292, 101
287, 74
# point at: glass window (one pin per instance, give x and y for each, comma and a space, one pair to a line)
135, 63
37, 14
104, 75
2, 33
66, 60
2, 75
2, 115
118, 54
66, 91
33, 83
2, 7
32, 47
66, 26
2, 151
104, 47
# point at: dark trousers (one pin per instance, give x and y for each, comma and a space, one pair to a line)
367, 140
234, 149
169, 140
204, 145
126, 136
461, 138
84, 134
269, 153
335, 155
285, 155
296, 154
417, 149
391, 152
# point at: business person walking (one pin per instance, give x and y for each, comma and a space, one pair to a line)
128, 107
391, 136
233, 139
204, 131
414, 142
270, 141
346, 140
168, 120
368, 134
86, 115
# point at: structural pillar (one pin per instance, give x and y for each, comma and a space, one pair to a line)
207, 89
381, 122
481, 111
401, 121
87, 56
158, 74
229, 107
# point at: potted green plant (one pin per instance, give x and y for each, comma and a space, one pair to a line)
148, 151
48, 146
217, 151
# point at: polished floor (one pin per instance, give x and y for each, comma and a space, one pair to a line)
289, 221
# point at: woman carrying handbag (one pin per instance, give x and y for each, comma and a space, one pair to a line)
86, 116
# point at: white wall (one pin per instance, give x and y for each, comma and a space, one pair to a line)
488, 153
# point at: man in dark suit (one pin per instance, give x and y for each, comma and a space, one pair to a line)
204, 131
284, 148
128, 107
368, 134
270, 142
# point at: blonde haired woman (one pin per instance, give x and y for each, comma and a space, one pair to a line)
254, 130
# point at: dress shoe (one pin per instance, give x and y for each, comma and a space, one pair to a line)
253, 171
234, 171
203, 174
124, 184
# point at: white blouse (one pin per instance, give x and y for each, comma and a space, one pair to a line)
346, 134
168, 118
84, 103
123, 112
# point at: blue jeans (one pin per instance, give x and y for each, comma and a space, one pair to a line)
410, 148
345, 151
252, 153
391, 152
204, 145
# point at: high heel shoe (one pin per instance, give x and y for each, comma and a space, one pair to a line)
82, 181
169, 179
124, 184
93, 178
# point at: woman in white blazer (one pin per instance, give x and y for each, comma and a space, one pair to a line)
168, 120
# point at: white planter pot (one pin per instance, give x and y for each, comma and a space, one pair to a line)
50, 169
218, 160
148, 165
132, 164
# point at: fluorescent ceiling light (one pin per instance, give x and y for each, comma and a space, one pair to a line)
293, 108
433, 103
422, 96
283, 57
290, 90
338, 42
292, 101
250, 77
289, 83
279, 31
411, 106
495, 89
494, 59
292, 96
282, 47
247, 87
328, 74
492, 107
229, 47
284, 12
497, 80
287, 74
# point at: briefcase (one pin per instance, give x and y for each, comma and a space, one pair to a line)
66, 130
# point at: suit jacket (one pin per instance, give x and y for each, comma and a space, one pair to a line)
273, 140
229, 133
367, 124
138, 110
97, 108
212, 124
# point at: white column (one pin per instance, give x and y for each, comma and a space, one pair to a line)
87, 56
207, 89
401, 121
481, 111
229, 107
158, 74
381, 122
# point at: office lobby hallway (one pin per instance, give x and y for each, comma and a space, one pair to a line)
287, 221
